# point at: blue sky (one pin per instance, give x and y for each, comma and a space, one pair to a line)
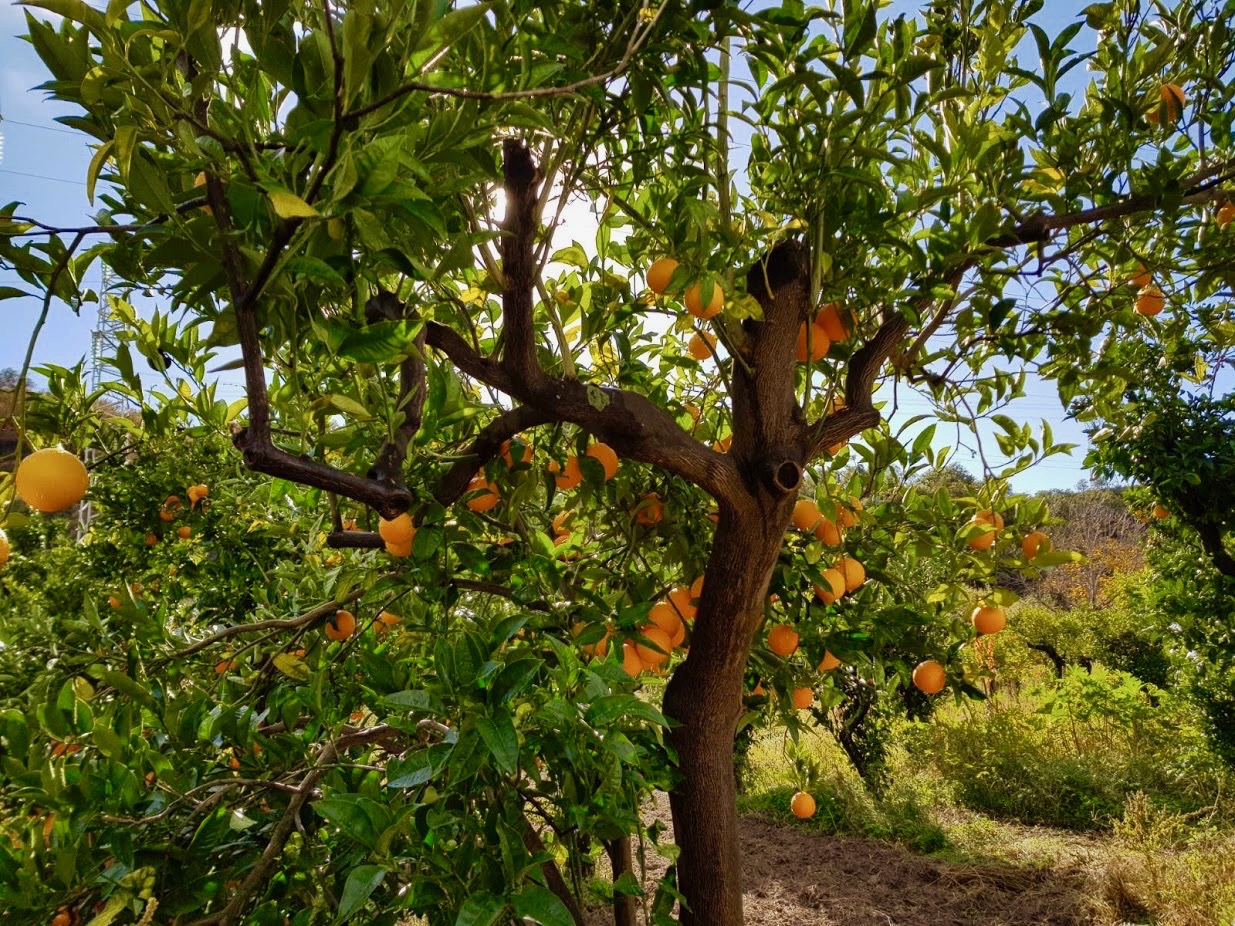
43, 164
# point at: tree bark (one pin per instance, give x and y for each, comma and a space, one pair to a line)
704, 700
624, 906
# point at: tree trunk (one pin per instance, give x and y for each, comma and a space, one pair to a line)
532, 842
704, 699
624, 906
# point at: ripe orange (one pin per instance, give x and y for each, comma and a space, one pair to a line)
696, 588
982, 541
802, 805
566, 477
847, 515
399, 550
660, 648
802, 698
666, 617
1160, 512
694, 301
559, 524
197, 493
349, 524
630, 659
1150, 301
1035, 542
830, 320
819, 343
223, 666
1225, 214
599, 648
722, 445
783, 640
4, 548
758, 690
680, 601
660, 273
989, 619
488, 496
1172, 99
152, 539
853, 571
524, 457
701, 345
805, 514
604, 455
929, 677
993, 518
400, 531
341, 626
386, 622
51, 480
827, 532
184, 532
650, 510
832, 587
1142, 277
829, 662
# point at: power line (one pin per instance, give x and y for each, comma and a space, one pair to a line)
45, 128
21, 173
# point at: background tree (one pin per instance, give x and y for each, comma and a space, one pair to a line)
312, 185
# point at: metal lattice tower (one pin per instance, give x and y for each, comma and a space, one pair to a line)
105, 336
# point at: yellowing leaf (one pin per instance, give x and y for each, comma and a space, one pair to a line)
474, 296
291, 206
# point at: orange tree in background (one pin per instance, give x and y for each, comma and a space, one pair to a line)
309, 187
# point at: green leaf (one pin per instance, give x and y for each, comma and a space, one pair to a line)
292, 666
539, 904
481, 909
361, 882
381, 342
359, 817
604, 711
75, 10
12, 292
499, 735
348, 406
148, 184
453, 26
290, 206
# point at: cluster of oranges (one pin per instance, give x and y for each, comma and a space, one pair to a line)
170, 510
343, 624
664, 632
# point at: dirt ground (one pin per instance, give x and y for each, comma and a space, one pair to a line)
793, 877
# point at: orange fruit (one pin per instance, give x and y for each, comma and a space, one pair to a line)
990, 517
630, 659
783, 640
829, 319
1033, 543
224, 666
929, 677
833, 587
1142, 277
152, 539
559, 523
666, 617
1171, 99
51, 480
802, 805
349, 524
184, 532
829, 662
524, 457
4, 548
1150, 301
827, 532
386, 622
488, 496
853, 571
658, 647
113, 601
694, 301
650, 510
341, 626
759, 690
1225, 215
604, 455
599, 648
660, 273
1160, 512
847, 514
802, 698
819, 343
701, 345
696, 588
566, 477
722, 444
989, 619
805, 514
680, 599
400, 531
399, 550
197, 493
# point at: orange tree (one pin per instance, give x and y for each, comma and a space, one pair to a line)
310, 187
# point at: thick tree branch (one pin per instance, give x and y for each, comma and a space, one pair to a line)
519, 266
484, 448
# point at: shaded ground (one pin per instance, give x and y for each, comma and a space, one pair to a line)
794, 877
